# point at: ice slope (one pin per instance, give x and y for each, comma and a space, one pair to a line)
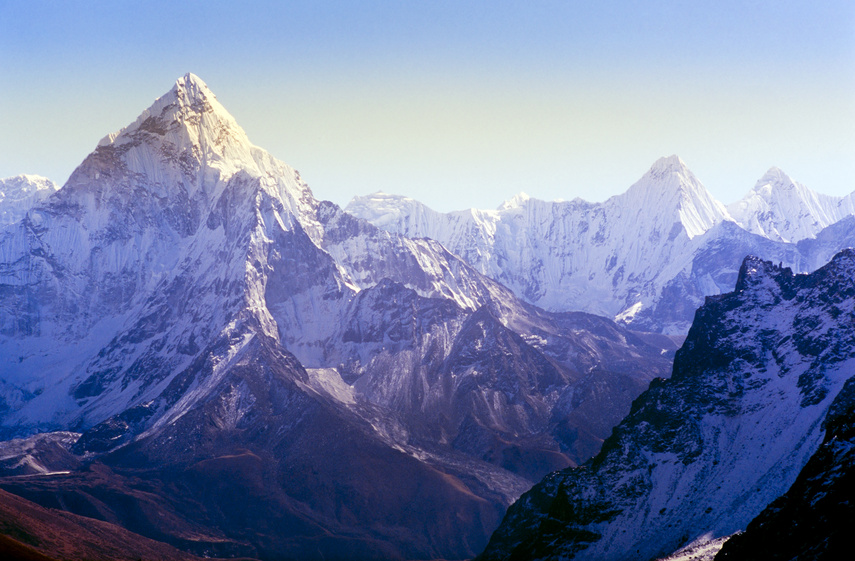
702, 454
18, 194
782, 209
813, 519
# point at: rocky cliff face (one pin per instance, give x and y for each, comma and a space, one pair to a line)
703, 453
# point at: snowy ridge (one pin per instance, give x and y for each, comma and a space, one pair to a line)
604, 258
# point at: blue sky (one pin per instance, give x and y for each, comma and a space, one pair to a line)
457, 104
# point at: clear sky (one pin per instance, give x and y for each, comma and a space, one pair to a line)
454, 103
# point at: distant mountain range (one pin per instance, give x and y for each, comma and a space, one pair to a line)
645, 258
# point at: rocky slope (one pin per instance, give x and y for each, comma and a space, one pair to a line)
703, 453
813, 519
31, 532
187, 305
646, 258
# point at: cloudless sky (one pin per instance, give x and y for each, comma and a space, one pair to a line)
454, 103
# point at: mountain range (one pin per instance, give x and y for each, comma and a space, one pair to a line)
645, 258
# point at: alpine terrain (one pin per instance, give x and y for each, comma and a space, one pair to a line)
759, 405
196, 349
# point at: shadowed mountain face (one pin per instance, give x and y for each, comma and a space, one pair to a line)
701, 454
33, 533
254, 372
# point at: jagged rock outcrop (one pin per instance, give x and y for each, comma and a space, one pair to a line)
702, 453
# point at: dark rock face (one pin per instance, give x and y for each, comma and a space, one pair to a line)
813, 520
703, 452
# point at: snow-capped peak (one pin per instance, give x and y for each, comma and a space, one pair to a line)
775, 178
380, 201
24, 185
384, 209
190, 88
187, 143
672, 192
183, 115
671, 174
379, 204
669, 163
516, 201
20, 193
782, 209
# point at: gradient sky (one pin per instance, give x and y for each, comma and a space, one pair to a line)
456, 104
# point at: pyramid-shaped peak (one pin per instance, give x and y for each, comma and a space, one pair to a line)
670, 175
190, 88
670, 192
190, 94
669, 164
191, 79
189, 104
